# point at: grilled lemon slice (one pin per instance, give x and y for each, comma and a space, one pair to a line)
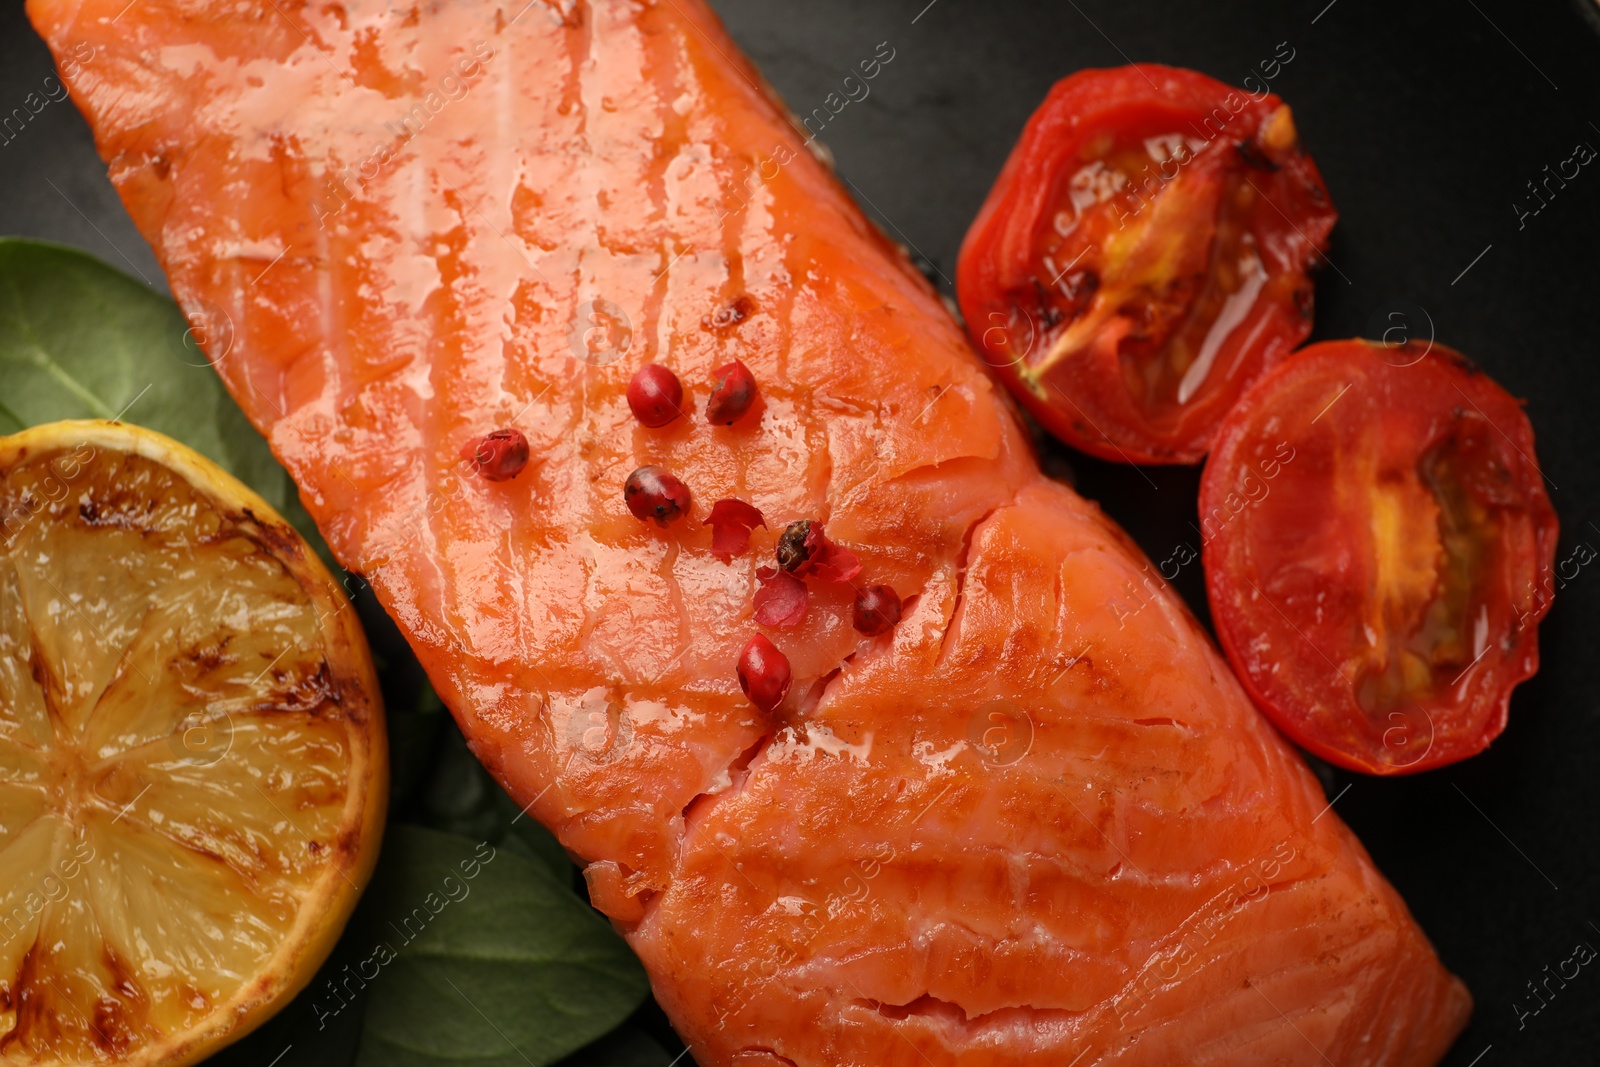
192, 762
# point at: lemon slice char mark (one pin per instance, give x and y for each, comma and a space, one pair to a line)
193, 770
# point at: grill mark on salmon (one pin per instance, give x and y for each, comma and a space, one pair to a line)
846, 880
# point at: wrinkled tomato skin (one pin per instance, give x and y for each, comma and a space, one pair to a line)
1086, 399
1331, 523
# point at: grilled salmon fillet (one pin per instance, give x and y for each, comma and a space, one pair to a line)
1036, 823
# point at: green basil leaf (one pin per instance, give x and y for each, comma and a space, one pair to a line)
626, 1046
81, 340
459, 797
528, 836
414, 733
480, 958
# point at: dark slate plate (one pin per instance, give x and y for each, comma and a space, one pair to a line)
1428, 121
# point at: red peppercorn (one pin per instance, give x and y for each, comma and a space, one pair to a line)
782, 599
498, 456
764, 673
732, 395
793, 551
877, 610
806, 551
655, 395
652, 493
731, 522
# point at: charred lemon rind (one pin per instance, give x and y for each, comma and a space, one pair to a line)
325, 898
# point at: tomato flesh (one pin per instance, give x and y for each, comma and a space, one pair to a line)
1379, 591
1161, 289
1143, 256
1435, 613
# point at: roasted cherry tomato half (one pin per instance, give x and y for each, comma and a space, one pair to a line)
1378, 551
1143, 256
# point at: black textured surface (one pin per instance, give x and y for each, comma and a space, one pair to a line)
1427, 121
